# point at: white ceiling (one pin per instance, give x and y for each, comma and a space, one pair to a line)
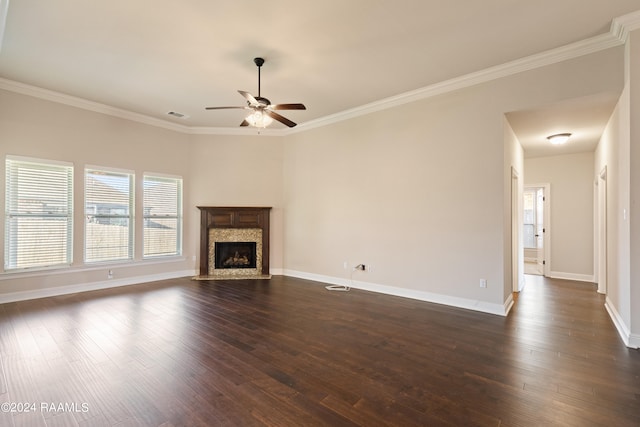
155, 56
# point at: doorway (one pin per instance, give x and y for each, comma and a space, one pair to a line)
516, 248
535, 228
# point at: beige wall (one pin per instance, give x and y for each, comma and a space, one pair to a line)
633, 74
609, 155
570, 229
41, 129
239, 171
419, 191
514, 176
619, 152
217, 170
392, 190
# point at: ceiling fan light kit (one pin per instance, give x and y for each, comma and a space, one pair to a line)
263, 113
259, 119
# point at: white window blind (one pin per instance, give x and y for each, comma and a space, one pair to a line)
39, 213
109, 210
162, 216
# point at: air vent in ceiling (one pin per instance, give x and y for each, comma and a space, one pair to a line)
176, 114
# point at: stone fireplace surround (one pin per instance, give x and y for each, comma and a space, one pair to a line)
233, 224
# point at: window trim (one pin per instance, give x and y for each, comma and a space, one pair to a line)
70, 224
179, 214
131, 217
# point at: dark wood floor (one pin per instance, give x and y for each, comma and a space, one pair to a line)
287, 352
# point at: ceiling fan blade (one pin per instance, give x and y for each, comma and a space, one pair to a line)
224, 108
244, 123
288, 107
252, 100
279, 118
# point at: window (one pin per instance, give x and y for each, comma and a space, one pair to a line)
162, 216
108, 203
534, 217
529, 219
39, 213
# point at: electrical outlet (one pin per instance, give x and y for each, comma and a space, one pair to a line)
110, 274
345, 265
483, 283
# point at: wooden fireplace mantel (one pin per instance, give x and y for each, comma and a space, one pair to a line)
233, 217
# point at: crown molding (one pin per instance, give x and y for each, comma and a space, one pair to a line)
570, 51
623, 25
617, 35
73, 101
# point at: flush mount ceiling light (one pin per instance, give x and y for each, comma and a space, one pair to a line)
559, 138
176, 114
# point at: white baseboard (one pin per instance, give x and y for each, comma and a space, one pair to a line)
629, 339
94, 286
276, 271
521, 284
572, 276
482, 306
508, 304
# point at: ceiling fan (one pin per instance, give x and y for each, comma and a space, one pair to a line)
263, 111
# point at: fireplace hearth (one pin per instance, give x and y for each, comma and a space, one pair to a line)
234, 243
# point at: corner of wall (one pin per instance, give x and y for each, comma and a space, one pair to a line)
629, 339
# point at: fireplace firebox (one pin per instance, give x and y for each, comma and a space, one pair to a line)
235, 254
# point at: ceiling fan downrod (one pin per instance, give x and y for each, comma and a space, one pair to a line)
258, 62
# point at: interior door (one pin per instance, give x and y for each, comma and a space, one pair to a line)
539, 225
535, 229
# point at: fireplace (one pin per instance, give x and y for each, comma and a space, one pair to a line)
234, 243
235, 254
